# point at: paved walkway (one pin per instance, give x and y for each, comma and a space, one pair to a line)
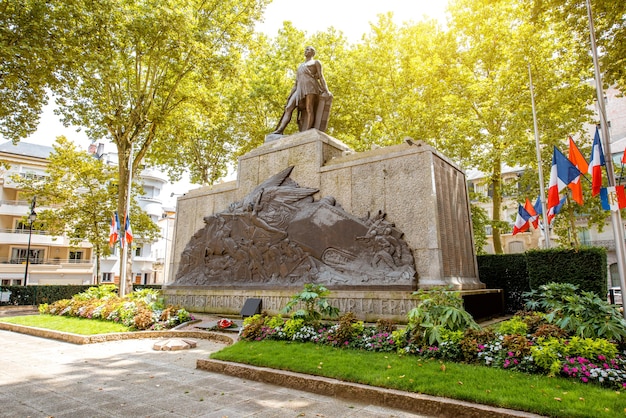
48, 378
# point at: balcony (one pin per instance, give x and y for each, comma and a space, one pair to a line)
38, 237
48, 261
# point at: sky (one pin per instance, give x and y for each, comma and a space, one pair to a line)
352, 17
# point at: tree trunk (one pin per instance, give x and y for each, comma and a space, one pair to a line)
496, 182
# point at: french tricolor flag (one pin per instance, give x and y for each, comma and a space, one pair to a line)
522, 222
595, 164
563, 172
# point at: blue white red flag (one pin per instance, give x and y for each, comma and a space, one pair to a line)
522, 222
553, 211
595, 164
534, 216
613, 198
114, 229
128, 232
562, 174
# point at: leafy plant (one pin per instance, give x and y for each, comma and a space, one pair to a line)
313, 297
439, 309
515, 325
578, 313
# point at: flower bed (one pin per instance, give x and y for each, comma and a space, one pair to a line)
141, 310
530, 342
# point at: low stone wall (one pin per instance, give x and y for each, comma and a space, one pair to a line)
366, 305
68, 337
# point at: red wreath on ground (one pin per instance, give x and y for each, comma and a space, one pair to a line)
224, 323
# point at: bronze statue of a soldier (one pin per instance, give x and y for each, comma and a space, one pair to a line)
309, 95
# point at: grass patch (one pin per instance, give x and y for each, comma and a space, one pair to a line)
552, 396
67, 324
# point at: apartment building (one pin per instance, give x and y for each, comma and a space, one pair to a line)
51, 259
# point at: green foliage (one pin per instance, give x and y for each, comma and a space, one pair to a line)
515, 325
98, 292
27, 61
470, 383
438, 310
349, 328
586, 268
507, 272
140, 310
35, 295
292, 326
550, 353
313, 297
579, 313
480, 220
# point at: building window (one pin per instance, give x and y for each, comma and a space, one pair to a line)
107, 277
76, 256
138, 252
18, 256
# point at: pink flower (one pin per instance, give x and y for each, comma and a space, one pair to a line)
511, 354
601, 357
584, 379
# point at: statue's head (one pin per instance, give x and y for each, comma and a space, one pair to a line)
309, 50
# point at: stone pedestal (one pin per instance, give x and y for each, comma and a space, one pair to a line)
422, 192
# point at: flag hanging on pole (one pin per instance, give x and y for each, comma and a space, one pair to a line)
576, 157
534, 217
522, 222
553, 211
562, 174
595, 164
613, 198
128, 232
114, 230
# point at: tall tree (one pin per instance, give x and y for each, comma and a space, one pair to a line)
27, 60
610, 25
128, 69
80, 193
497, 43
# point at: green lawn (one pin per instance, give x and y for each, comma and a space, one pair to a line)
543, 395
67, 324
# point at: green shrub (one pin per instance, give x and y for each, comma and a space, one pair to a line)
439, 309
550, 353
515, 325
579, 313
292, 326
313, 297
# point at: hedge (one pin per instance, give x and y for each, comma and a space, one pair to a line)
507, 272
519, 273
36, 295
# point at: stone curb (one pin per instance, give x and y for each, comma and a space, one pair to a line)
117, 336
390, 398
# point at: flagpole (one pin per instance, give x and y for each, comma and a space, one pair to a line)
542, 192
616, 217
123, 289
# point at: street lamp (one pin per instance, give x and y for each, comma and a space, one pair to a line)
31, 219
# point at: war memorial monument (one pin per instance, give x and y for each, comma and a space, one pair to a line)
370, 226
